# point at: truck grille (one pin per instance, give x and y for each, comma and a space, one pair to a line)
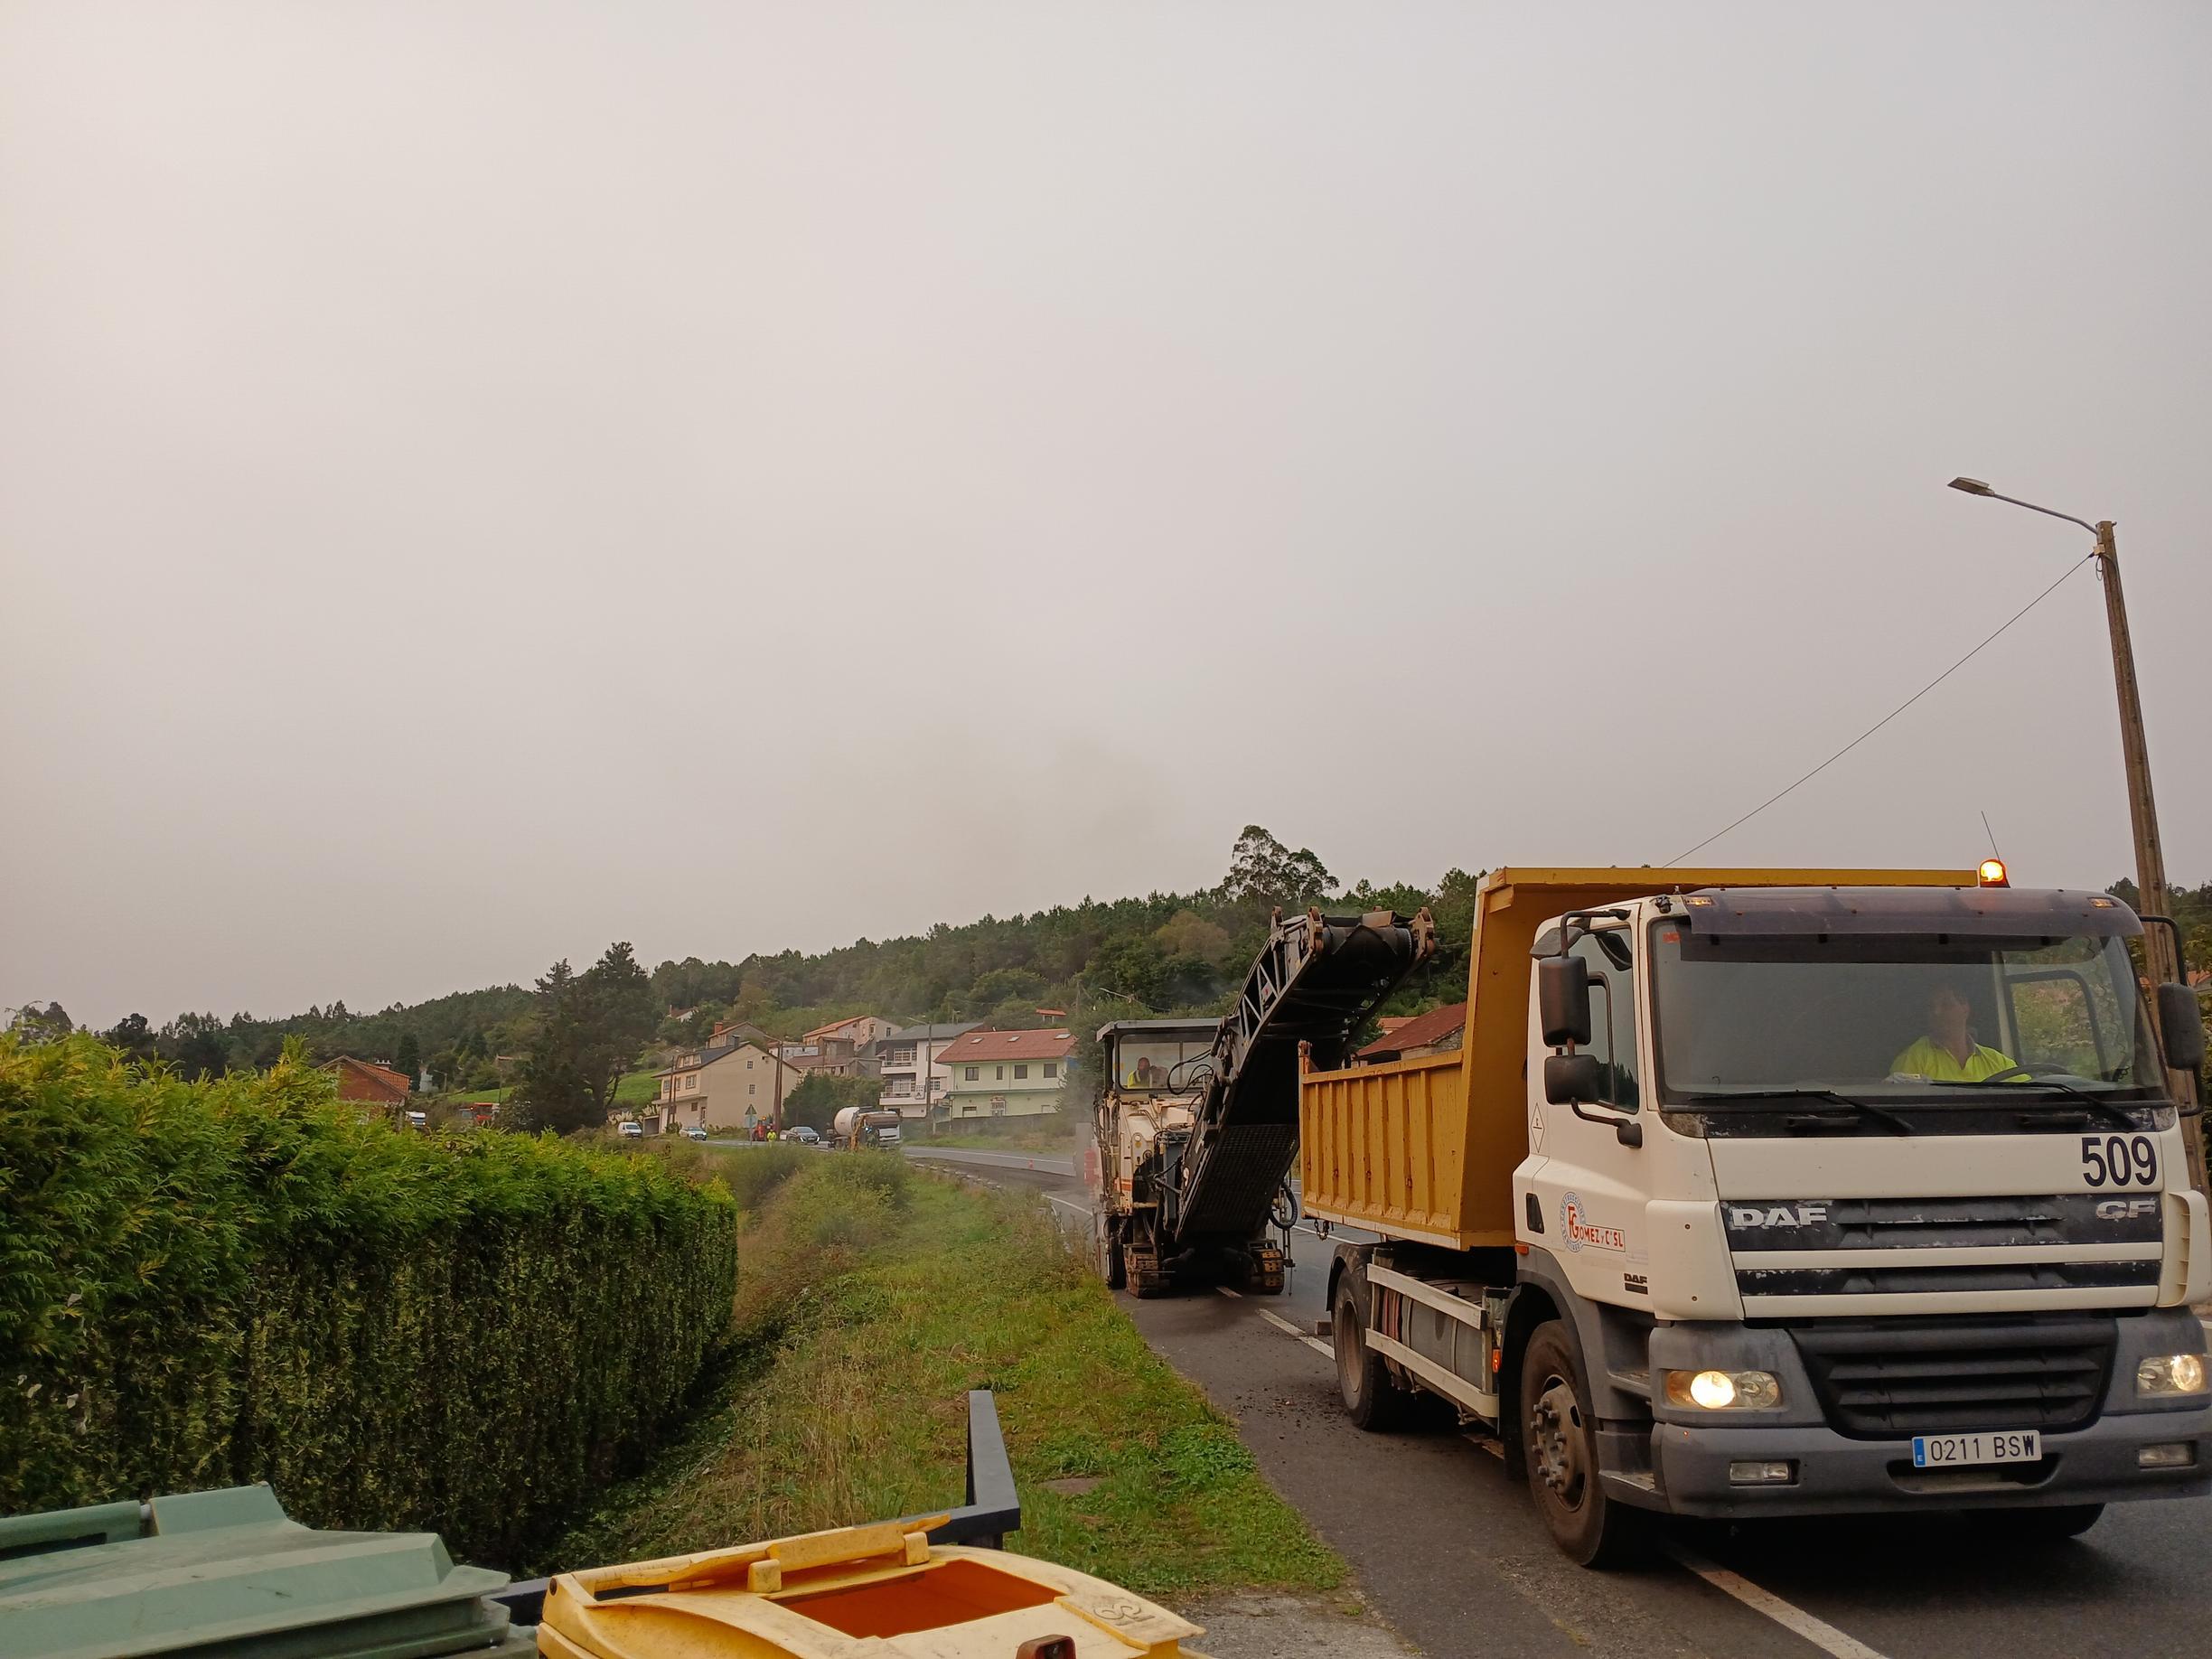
1877, 1379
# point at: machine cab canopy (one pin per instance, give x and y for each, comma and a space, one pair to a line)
1158, 1056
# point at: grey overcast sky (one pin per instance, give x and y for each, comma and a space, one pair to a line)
481, 480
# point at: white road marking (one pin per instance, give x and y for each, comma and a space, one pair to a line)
1288, 1329
1068, 1203
1225, 1290
1817, 1631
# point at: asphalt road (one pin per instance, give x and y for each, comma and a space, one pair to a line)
1454, 1555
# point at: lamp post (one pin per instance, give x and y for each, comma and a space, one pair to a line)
2160, 958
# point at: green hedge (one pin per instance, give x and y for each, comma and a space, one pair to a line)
235, 1280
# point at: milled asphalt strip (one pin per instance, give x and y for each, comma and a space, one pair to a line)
1790, 1617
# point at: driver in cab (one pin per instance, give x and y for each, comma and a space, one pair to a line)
1948, 1053
1146, 1075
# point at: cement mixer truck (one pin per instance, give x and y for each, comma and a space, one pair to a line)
855, 1127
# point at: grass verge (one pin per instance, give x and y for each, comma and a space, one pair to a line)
872, 1297
1053, 1134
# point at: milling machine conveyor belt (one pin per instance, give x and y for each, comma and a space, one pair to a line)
1314, 981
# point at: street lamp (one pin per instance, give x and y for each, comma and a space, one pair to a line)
2159, 955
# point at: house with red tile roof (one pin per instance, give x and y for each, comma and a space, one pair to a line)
1436, 1032
1005, 1074
364, 1082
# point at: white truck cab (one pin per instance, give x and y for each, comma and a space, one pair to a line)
1832, 1199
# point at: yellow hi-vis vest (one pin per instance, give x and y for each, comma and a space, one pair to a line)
1937, 1064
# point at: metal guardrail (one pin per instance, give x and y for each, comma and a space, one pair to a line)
992, 1510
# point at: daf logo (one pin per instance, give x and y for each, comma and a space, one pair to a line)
1745, 1216
2125, 1209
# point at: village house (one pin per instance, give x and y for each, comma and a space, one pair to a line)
904, 1055
364, 1082
1436, 1032
1005, 1074
727, 1086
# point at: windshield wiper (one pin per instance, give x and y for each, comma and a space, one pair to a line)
1748, 1101
2114, 1111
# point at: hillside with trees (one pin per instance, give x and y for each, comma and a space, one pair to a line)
574, 1035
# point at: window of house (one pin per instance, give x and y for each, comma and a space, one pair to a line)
1001, 1078
974, 1072
752, 1088
1020, 1071
1052, 1069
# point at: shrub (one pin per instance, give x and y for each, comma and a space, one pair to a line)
232, 1280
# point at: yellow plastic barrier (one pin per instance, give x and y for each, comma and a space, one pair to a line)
858, 1592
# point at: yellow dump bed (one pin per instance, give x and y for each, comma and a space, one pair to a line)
1426, 1148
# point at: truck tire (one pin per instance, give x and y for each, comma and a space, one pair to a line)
1560, 1439
1108, 1242
1371, 1397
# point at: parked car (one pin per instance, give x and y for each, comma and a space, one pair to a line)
695, 1133
630, 1129
804, 1135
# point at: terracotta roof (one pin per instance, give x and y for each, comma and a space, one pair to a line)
1419, 1032
1008, 1046
364, 1080
835, 1025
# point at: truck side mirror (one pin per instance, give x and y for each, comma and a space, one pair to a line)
1571, 1079
1564, 1001
2181, 1028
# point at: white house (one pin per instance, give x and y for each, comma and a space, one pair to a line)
906, 1056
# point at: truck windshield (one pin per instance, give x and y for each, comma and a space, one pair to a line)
1897, 1017
1153, 1064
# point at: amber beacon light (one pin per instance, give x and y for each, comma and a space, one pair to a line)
1992, 874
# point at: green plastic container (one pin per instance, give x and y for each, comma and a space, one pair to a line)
226, 1573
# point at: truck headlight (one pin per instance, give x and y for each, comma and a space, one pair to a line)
1723, 1390
2171, 1373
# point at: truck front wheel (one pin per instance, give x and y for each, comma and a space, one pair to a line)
1108, 1245
1371, 1399
1559, 1441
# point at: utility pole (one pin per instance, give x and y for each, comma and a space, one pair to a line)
2162, 960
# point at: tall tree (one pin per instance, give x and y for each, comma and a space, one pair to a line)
1262, 870
589, 1029
34, 1024
408, 1060
134, 1035
551, 1093
197, 1044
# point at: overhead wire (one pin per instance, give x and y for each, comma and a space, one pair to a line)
1892, 714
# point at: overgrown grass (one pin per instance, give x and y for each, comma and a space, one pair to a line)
750, 1173
1057, 1133
872, 1297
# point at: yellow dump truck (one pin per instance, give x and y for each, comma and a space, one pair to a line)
1784, 1193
